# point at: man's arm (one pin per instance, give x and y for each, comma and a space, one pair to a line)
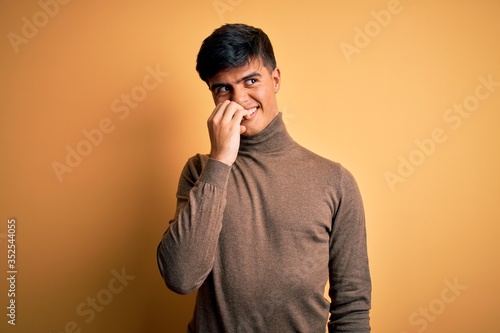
350, 283
187, 250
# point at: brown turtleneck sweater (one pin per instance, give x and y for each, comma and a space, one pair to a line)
260, 239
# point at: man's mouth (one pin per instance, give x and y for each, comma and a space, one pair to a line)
252, 113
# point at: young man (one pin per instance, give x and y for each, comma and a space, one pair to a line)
262, 223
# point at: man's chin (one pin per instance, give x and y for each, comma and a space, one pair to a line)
249, 131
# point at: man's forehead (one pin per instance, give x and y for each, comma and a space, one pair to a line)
234, 74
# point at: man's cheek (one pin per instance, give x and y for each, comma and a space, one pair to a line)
220, 99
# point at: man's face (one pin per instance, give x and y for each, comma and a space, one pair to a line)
252, 86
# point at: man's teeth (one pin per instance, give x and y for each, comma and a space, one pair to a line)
252, 111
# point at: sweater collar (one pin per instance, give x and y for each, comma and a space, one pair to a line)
273, 138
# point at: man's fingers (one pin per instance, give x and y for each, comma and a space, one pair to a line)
229, 111
239, 114
218, 112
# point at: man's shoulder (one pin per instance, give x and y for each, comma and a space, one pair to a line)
324, 164
316, 158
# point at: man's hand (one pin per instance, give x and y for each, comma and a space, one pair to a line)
224, 127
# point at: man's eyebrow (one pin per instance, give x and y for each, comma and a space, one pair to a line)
246, 77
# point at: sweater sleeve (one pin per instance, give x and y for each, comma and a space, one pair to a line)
187, 249
350, 282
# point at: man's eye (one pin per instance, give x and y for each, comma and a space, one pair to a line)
250, 81
222, 89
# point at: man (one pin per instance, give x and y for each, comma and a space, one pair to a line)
262, 223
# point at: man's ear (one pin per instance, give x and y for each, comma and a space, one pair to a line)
276, 74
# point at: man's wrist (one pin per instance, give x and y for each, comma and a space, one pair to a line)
222, 159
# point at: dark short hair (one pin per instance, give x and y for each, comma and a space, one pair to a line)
233, 45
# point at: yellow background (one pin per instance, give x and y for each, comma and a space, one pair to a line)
437, 225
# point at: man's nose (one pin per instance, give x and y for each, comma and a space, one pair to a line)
239, 96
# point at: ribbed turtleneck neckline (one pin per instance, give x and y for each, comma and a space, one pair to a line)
271, 139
